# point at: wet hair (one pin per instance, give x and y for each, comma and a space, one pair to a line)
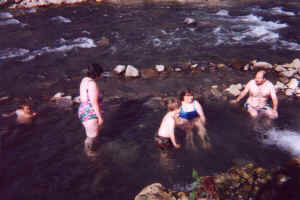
185, 92
172, 104
24, 103
94, 71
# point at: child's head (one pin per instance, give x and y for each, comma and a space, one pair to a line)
25, 106
172, 104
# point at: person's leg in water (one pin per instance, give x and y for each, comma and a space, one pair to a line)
201, 130
91, 129
189, 131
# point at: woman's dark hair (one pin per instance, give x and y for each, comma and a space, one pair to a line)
94, 71
184, 92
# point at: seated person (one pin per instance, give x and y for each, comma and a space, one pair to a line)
191, 116
259, 90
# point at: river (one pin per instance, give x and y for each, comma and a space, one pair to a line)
44, 50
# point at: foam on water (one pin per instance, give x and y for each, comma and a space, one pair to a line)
284, 139
12, 53
5, 15
9, 22
66, 45
289, 45
61, 19
280, 11
248, 29
222, 13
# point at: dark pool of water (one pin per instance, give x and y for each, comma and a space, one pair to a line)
47, 161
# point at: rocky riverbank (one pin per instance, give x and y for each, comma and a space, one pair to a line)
39, 3
238, 183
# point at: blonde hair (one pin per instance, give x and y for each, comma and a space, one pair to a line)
172, 104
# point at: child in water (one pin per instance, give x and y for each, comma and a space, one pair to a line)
24, 118
165, 136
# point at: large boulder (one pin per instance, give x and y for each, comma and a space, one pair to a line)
293, 84
261, 65
288, 73
154, 191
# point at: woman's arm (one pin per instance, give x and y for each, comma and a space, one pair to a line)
200, 112
93, 94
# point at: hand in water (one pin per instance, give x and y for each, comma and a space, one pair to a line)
177, 146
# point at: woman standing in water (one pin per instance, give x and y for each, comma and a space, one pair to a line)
90, 109
191, 116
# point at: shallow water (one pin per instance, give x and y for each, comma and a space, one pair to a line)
44, 52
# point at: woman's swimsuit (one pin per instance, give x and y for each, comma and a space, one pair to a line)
86, 111
188, 115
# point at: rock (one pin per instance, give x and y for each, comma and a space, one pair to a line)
280, 86
154, 191
103, 42
160, 68
246, 67
237, 64
119, 69
261, 65
288, 73
189, 21
177, 69
293, 84
131, 72
148, 73
279, 68
57, 96
4, 98
221, 66
289, 92
76, 99
296, 64
194, 66
297, 76
284, 80
37, 3
216, 92
234, 89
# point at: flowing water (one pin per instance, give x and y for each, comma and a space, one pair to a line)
44, 50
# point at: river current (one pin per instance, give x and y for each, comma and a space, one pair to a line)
41, 49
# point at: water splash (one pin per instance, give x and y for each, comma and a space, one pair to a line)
284, 139
61, 19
